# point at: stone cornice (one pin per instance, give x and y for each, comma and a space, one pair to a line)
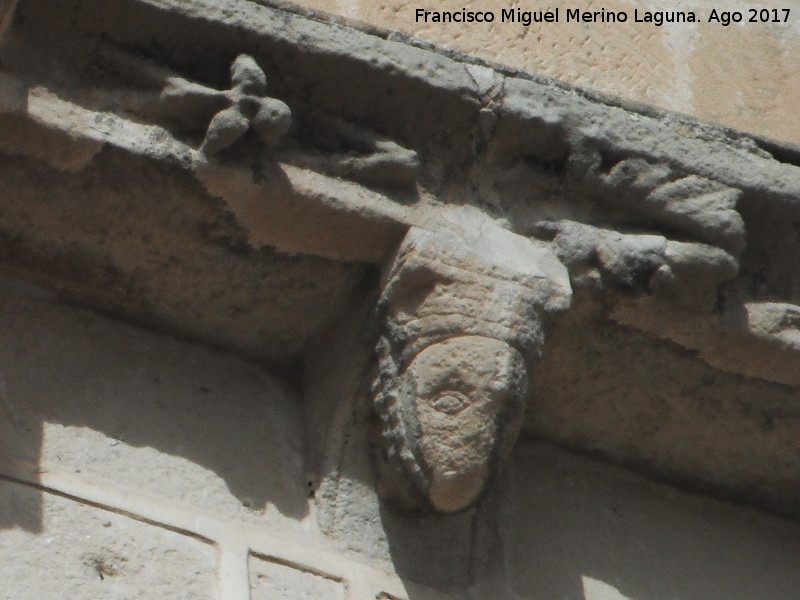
152, 172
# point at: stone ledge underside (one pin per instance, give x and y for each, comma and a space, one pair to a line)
261, 252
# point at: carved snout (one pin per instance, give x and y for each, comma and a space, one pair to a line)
463, 401
461, 327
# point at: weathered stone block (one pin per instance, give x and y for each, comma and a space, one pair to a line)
167, 418
273, 581
83, 553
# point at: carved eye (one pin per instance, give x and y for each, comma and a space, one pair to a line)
450, 402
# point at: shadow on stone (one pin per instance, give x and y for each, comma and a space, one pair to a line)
200, 427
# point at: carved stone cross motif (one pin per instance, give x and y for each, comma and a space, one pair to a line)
233, 112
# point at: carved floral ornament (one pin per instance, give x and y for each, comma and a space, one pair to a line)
228, 116
183, 104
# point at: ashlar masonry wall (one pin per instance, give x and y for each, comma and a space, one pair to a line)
135, 465
740, 74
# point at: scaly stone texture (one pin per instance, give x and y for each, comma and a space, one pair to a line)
79, 551
741, 75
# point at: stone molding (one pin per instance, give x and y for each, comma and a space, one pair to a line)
233, 543
398, 158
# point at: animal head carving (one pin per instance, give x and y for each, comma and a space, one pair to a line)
459, 336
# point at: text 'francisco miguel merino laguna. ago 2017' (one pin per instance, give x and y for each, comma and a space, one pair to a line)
576, 15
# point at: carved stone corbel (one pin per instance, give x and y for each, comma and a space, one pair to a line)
463, 321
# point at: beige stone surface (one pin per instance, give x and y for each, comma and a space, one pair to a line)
84, 552
741, 75
272, 469
574, 529
453, 375
102, 399
555, 525
273, 581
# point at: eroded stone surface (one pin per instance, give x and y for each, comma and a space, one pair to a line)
704, 69
463, 392
460, 333
188, 106
93, 396
676, 231
79, 551
600, 533
273, 581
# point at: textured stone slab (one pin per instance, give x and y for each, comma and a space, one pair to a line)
574, 529
273, 581
703, 68
182, 422
83, 553
672, 229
